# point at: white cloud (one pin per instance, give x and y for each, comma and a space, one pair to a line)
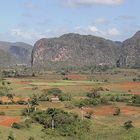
110, 33
113, 32
92, 2
26, 35
93, 29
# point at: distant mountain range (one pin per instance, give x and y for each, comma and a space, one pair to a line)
73, 50
14, 53
77, 50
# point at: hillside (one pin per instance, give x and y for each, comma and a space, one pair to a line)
75, 50
5, 58
13, 53
130, 54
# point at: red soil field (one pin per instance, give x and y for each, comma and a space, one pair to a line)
130, 110
77, 77
102, 111
109, 110
131, 85
8, 121
22, 83
125, 86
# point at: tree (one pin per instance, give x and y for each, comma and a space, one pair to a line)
52, 112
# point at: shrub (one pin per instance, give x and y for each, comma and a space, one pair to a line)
16, 125
117, 111
104, 100
135, 99
25, 124
128, 125
55, 91
65, 97
88, 115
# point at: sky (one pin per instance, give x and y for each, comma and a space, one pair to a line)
30, 20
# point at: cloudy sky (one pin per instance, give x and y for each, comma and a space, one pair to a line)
30, 20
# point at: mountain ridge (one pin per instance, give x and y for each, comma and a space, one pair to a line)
20, 52
75, 49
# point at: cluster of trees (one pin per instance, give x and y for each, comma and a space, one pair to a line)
128, 99
61, 122
94, 98
56, 92
57, 122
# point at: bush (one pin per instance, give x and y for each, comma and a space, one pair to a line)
65, 97
88, 115
55, 91
128, 125
16, 125
25, 124
117, 111
135, 99
104, 100
2, 113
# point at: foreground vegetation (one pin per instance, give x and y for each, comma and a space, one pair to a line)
71, 106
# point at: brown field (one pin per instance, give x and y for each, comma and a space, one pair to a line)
8, 121
109, 110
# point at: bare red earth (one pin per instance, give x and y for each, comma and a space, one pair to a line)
109, 110
22, 82
9, 121
77, 77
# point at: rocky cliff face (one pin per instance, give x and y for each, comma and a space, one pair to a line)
130, 54
75, 50
13, 53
